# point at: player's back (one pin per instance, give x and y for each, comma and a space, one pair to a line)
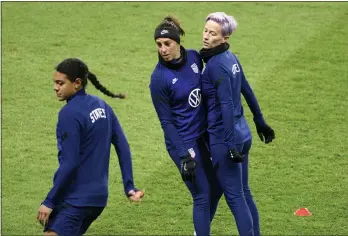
229, 64
89, 185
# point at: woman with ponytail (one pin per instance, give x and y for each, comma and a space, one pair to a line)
176, 95
86, 128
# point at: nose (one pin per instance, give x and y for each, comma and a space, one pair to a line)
163, 50
205, 36
55, 87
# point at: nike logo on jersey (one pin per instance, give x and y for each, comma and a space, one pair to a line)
174, 80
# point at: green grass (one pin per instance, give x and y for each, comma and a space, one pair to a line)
294, 55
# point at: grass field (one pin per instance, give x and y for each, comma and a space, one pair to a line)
295, 56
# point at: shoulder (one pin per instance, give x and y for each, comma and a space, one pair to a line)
222, 60
68, 112
193, 54
159, 77
194, 57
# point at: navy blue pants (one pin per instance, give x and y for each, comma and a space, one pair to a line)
205, 191
233, 180
67, 220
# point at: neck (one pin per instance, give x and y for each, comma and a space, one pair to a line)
177, 62
207, 53
178, 54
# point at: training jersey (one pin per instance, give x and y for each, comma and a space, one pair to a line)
176, 96
222, 81
85, 130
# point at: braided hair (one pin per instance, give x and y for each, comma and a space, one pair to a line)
75, 68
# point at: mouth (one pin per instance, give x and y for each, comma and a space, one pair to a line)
205, 44
166, 57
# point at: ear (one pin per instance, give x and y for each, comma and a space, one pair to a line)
225, 39
78, 83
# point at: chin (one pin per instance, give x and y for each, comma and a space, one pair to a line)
206, 46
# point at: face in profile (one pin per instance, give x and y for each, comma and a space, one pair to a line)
63, 87
167, 48
212, 35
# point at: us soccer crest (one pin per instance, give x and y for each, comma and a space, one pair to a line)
194, 68
192, 152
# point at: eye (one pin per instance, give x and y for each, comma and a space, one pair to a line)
167, 44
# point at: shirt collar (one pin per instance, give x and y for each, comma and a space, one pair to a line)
81, 92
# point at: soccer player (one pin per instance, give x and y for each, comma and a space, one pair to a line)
175, 89
86, 128
223, 82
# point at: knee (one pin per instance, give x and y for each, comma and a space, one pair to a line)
202, 200
50, 233
232, 196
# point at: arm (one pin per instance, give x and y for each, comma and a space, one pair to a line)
160, 99
264, 131
222, 83
69, 133
251, 100
121, 145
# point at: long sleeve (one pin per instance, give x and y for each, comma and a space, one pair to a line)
68, 135
122, 148
251, 100
160, 99
222, 83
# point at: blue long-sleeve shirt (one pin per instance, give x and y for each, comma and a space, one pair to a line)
176, 96
250, 97
221, 89
86, 128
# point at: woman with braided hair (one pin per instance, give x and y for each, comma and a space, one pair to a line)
86, 128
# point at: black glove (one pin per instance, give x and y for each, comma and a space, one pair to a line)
236, 156
265, 132
187, 168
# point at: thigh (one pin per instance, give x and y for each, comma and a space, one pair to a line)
244, 150
228, 173
207, 164
200, 153
91, 214
65, 220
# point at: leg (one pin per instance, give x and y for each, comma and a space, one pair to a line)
215, 189
200, 191
92, 213
50, 233
229, 175
215, 195
248, 197
65, 220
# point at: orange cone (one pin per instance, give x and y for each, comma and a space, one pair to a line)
303, 212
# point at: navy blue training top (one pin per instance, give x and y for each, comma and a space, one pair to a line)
85, 130
223, 82
176, 96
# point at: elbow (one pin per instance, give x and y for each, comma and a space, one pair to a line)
165, 123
